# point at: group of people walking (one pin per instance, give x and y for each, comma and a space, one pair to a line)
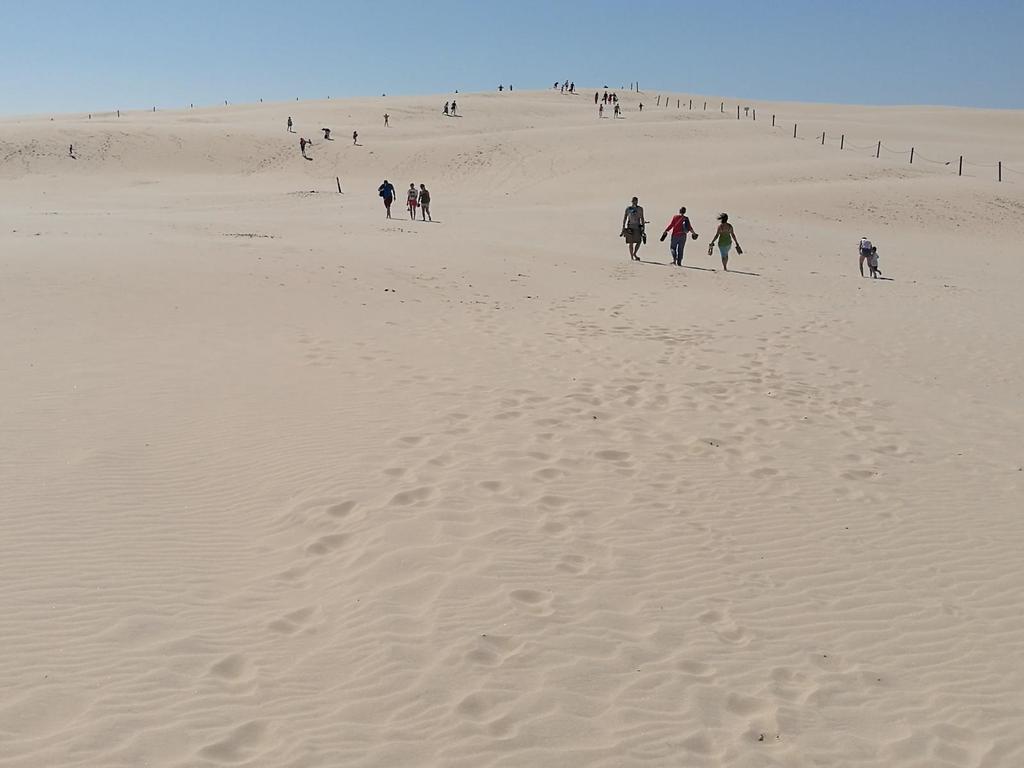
611, 100
415, 198
680, 227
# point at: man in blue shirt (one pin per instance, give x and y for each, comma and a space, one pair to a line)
387, 193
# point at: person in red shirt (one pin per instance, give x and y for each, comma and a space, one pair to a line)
679, 227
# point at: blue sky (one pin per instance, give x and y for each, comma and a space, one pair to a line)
76, 55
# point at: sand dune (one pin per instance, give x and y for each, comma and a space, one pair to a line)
287, 484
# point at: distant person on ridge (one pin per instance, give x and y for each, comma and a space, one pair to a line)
633, 228
386, 118
454, 108
355, 138
446, 109
725, 236
327, 134
600, 110
302, 145
641, 106
679, 226
387, 193
290, 125
425, 202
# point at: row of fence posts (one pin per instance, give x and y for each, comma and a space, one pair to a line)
842, 137
878, 150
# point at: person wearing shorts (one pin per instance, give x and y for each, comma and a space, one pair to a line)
387, 194
411, 201
725, 237
864, 249
425, 203
633, 228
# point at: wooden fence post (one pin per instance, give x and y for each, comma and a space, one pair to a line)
773, 121
842, 141
1000, 170
794, 130
737, 111
878, 152
722, 108
961, 171
823, 138
338, 179
911, 155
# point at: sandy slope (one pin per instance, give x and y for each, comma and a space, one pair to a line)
285, 484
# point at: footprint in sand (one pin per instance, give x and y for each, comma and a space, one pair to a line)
239, 745
492, 650
548, 473
231, 667
724, 628
326, 544
533, 600
611, 455
577, 565
405, 498
294, 622
554, 528
341, 509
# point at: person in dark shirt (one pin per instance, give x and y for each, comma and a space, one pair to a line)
425, 203
387, 193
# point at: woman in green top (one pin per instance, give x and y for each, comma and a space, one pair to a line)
725, 236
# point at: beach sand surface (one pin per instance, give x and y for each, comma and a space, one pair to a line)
288, 484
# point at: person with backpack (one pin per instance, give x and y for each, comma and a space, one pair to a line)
387, 193
679, 227
864, 249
